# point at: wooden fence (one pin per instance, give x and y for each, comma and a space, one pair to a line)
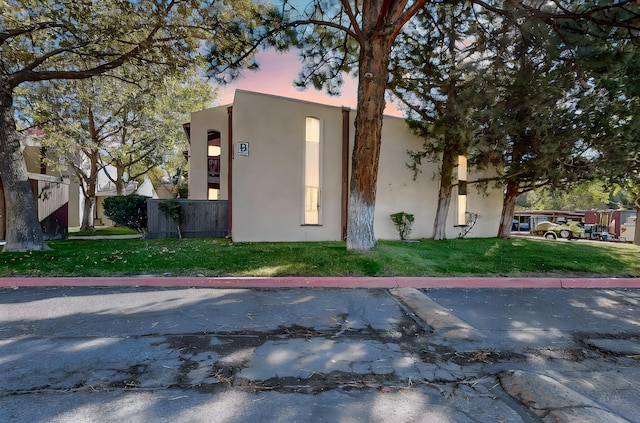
198, 219
52, 196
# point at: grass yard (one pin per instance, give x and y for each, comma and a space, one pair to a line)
216, 257
104, 231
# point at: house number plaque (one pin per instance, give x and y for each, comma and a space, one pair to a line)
243, 149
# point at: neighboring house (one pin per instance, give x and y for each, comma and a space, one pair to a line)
146, 189
105, 188
283, 165
50, 189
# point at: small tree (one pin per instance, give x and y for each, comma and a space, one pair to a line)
171, 209
402, 221
127, 210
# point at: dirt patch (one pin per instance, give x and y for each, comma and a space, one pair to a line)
190, 344
487, 357
130, 381
211, 362
435, 354
316, 383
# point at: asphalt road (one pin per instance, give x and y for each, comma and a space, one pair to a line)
141, 354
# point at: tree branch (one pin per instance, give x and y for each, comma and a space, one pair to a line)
15, 32
382, 14
406, 16
29, 75
357, 32
327, 24
416, 109
588, 15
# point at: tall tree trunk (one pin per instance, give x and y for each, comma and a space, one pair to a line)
90, 192
450, 152
23, 230
372, 77
444, 193
87, 214
636, 236
91, 181
508, 210
119, 178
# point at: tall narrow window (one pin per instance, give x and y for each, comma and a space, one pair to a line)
213, 164
462, 190
312, 172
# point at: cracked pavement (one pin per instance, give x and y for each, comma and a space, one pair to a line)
319, 355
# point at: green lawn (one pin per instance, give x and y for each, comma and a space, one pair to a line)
104, 231
215, 257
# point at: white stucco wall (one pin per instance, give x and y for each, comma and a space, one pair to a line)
398, 191
268, 184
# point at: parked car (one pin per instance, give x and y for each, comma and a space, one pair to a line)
518, 226
594, 231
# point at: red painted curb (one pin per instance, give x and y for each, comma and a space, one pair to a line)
325, 282
479, 282
601, 283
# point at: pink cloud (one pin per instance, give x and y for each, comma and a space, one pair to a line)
276, 75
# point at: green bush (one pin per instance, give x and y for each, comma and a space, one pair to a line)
127, 210
183, 191
402, 221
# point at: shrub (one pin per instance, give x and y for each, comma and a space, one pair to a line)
402, 221
127, 210
183, 191
171, 209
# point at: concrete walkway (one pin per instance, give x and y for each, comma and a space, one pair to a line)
327, 282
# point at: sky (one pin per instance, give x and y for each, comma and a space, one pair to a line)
276, 75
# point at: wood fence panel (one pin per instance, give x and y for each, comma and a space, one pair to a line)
51, 196
198, 219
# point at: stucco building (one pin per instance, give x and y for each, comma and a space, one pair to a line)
283, 166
